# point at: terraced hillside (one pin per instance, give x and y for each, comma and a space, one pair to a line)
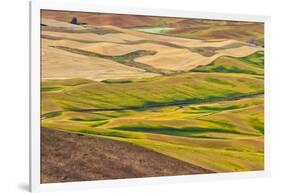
197, 103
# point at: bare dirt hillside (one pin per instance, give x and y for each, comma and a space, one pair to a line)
67, 157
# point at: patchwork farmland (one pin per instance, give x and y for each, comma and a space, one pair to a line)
187, 92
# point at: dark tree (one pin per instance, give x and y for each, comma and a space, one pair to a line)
74, 21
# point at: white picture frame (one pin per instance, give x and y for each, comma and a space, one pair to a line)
36, 6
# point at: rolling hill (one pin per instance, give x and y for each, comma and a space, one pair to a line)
140, 88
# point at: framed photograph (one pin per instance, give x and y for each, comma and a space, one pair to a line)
123, 96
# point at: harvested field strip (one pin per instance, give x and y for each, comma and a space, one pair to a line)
134, 42
71, 39
59, 64
108, 37
100, 31
173, 60
204, 51
127, 59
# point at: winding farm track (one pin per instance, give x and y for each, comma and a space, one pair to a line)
68, 157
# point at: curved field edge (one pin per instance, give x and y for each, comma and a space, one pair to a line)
252, 64
159, 56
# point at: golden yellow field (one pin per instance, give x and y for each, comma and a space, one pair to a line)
59, 64
172, 54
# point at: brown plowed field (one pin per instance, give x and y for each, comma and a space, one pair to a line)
68, 157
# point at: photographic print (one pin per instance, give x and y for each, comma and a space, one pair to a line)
131, 96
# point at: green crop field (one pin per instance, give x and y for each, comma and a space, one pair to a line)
155, 30
211, 117
252, 64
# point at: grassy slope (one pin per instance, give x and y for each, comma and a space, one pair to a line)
218, 136
193, 119
252, 64
149, 92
